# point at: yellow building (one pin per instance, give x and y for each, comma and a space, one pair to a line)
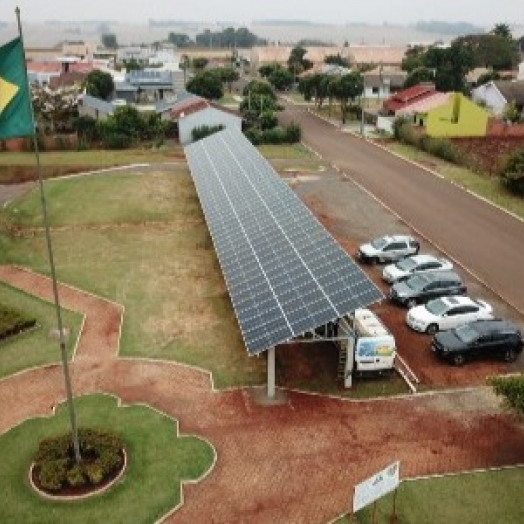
457, 117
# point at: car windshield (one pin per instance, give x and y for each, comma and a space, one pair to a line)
436, 307
466, 333
407, 264
417, 283
379, 243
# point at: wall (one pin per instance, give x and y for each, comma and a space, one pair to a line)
500, 128
472, 119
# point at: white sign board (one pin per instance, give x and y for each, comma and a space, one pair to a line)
376, 486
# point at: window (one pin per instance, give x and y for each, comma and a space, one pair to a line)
375, 90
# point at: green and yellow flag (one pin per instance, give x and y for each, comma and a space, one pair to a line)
16, 118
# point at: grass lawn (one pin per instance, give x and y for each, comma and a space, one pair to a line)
96, 159
286, 152
149, 249
36, 347
494, 496
483, 185
158, 461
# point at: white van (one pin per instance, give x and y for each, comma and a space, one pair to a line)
366, 345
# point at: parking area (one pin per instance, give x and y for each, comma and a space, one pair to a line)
353, 217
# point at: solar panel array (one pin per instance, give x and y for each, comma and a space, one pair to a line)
285, 274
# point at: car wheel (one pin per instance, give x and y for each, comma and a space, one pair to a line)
432, 329
411, 302
458, 359
510, 355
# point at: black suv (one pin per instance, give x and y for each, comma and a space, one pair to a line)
418, 289
479, 339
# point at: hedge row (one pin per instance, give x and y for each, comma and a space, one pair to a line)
278, 135
13, 322
56, 468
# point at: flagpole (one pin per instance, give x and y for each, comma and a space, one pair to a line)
63, 352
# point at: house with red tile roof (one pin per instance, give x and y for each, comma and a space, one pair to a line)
406, 97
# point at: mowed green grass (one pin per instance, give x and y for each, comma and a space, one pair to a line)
471, 498
488, 187
38, 346
94, 158
158, 462
141, 240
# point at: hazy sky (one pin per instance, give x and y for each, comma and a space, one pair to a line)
480, 12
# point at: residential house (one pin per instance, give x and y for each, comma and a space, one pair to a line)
406, 97
210, 117
456, 117
94, 107
382, 82
496, 95
183, 104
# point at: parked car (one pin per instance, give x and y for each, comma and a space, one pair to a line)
419, 289
444, 313
415, 264
480, 339
388, 249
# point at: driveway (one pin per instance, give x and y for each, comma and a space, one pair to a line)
482, 238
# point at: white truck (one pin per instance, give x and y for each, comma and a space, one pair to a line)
366, 345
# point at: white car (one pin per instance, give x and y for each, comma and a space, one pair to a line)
447, 313
416, 264
388, 249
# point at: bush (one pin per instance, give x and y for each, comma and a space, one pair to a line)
116, 140
201, 132
13, 322
441, 148
512, 174
56, 468
512, 389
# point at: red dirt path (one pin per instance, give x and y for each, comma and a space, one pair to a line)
295, 462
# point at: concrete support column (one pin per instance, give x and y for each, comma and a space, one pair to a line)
271, 373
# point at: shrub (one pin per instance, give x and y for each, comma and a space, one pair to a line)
512, 389
13, 322
294, 133
201, 132
441, 148
116, 140
512, 173
56, 468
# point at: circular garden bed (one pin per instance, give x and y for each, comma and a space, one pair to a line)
55, 473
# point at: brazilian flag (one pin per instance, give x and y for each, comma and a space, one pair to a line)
16, 117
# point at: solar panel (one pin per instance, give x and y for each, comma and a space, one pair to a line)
285, 273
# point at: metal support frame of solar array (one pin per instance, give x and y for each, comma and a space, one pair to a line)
285, 273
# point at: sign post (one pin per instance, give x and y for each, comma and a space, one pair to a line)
375, 487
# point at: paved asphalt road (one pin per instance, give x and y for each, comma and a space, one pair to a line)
486, 241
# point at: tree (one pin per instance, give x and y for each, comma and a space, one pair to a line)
281, 79
421, 74
492, 51
179, 40
296, 62
502, 30
132, 65
413, 59
267, 69
99, 84
109, 41
346, 88
451, 65
488, 77
227, 75
337, 60
229, 38
207, 84
199, 62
